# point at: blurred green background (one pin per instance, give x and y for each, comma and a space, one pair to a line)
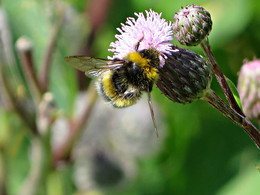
200, 153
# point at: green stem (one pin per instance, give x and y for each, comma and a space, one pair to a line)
3, 172
212, 98
28, 120
220, 77
32, 182
40, 161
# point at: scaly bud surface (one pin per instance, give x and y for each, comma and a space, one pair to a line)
191, 25
185, 76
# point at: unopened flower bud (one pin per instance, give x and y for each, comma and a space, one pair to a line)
249, 88
24, 44
191, 25
185, 76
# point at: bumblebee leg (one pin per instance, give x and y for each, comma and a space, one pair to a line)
138, 43
152, 113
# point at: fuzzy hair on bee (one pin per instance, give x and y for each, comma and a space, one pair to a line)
124, 86
122, 81
139, 53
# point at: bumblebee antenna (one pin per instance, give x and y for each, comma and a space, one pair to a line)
152, 113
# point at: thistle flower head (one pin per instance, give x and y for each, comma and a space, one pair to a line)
249, 88
184, 77
191, 25
150, 31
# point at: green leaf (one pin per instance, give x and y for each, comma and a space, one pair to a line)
234, 92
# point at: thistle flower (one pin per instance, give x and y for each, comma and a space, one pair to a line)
249, 88
191, 25
151, 31
185, 76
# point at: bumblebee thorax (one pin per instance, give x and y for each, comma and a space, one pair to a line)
140, 63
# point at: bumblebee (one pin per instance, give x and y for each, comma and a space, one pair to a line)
122, 81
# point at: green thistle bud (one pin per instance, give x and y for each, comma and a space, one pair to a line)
191, 25
184, 77
249, 88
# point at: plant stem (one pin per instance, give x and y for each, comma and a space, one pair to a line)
63, 152
28, 119
219, 75
50, 50
32, 182
212, 98
24, 48
3, 172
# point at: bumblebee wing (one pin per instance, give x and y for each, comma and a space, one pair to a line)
93, 67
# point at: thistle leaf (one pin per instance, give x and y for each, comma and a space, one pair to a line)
234, 92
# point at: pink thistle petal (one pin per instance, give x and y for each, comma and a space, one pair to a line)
151, 31
249, 88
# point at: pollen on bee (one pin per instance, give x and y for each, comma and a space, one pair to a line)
137, 58
121, 103
150, 72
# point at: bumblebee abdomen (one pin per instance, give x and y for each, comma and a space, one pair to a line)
120, 82
115, 89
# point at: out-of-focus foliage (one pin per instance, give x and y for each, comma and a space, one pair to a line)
202, 152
